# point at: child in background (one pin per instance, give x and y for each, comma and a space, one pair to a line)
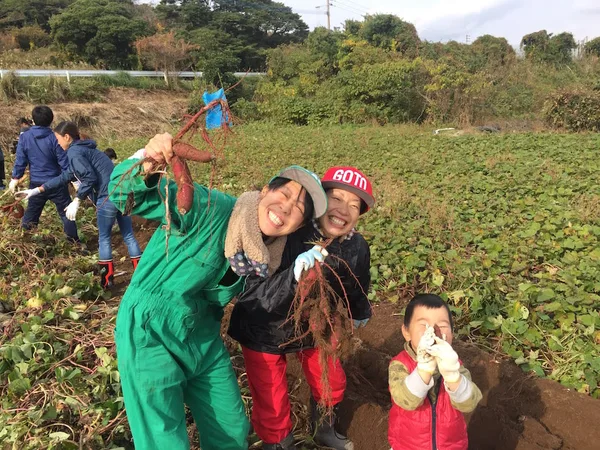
429, 386
110, 152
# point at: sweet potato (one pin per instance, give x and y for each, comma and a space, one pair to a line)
185, 185
191, 153
14, 209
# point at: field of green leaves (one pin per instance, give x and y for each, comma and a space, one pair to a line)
505, 226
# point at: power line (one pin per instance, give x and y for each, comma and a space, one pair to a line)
346, 8
343, 5
355, 5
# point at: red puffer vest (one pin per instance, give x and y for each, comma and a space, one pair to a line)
438, 428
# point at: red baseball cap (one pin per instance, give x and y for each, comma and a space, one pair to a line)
350, 179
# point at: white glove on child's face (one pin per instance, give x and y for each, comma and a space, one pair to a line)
71, 210
307, 260
425, 361
447, 360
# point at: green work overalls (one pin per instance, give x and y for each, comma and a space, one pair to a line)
169, 348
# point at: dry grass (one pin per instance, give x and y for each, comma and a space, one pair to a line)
125, 113
492, 161
587, 207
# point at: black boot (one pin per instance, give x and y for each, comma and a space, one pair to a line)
286, 444
323, 428
107, 274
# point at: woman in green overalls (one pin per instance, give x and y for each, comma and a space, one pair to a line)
169, 348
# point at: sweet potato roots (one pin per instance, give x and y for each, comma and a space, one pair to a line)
318, 313
14, 209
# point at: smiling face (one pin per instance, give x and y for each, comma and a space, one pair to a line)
64, 141
281, 210
342, 213
423, 317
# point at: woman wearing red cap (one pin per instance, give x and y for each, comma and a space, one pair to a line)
259, 319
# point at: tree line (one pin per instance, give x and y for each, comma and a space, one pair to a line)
226, 35
377, 68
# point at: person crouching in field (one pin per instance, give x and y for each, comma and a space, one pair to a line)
169, 348
91, 170
430, 387
259, 321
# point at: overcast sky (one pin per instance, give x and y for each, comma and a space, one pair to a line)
443, 20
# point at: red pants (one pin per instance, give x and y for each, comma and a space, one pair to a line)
268, 385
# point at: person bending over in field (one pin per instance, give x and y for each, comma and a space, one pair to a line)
39, 149
430, 387
169, 348
90, 169
259, 321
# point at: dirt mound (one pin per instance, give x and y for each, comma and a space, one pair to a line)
124, 113
518, 411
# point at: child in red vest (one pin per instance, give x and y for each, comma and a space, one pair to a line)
430, 388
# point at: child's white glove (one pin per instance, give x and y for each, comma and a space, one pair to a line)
71, 210
13, 185
28, 193
425, 361
307, 260
447, 360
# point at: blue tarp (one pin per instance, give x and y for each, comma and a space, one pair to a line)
214, 116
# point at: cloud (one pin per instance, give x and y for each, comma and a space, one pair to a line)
593, 11
458, 26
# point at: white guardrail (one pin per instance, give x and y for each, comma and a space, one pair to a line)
92, 73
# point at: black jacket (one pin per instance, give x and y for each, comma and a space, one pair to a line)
258, 317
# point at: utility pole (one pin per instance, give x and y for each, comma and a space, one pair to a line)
328, 15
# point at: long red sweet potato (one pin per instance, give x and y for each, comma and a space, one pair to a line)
185, 185
191, 153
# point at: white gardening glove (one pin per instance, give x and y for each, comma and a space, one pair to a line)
140, 154
306, 260
72, 209
28, 193
425, 361
13, 185
447, 360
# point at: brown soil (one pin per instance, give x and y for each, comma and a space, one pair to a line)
518, 411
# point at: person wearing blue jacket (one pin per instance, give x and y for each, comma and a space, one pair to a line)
39, 149
92, 169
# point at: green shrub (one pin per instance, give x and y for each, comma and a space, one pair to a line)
47, 90
87, 89
245, 110
31, 37
574, 111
